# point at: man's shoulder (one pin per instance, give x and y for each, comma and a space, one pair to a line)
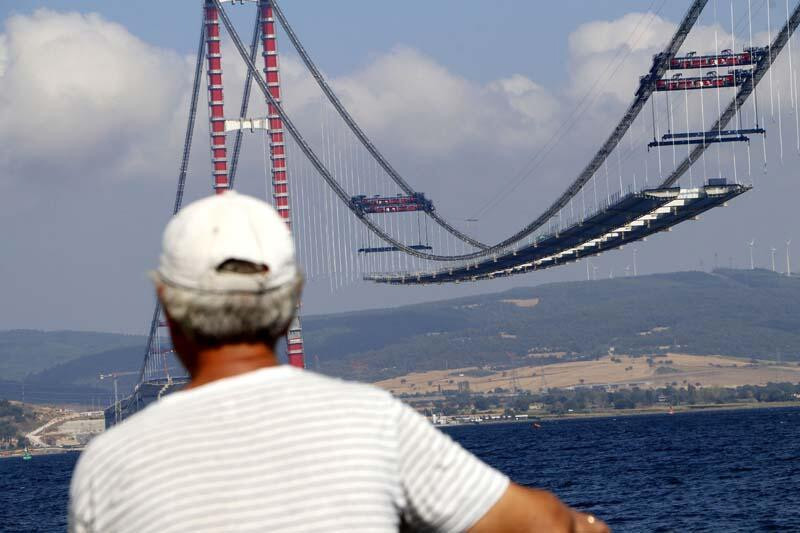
106, 454
323, 382
123, 435
290, 386
310, 387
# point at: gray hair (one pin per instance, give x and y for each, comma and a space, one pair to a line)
215, 318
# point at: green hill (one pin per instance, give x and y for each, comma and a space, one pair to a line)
24, 351
730, 312
87, 369
739, 313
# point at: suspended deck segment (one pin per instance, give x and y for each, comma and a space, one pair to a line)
391, 204
380, 249
726, 58
720, 133
695, 139
712, 80
630, 218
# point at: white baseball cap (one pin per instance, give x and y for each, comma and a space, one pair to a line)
230, 226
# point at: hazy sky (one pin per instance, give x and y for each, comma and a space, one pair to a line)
94, 104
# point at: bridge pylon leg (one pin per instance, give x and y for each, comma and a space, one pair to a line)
216, 114
277, 150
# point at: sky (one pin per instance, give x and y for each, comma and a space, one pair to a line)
458, 95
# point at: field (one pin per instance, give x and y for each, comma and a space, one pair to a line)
621, 371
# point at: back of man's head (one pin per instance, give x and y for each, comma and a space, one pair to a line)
227, 272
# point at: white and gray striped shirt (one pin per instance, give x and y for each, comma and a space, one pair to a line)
279, 449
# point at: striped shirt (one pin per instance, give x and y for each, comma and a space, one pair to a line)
279, 449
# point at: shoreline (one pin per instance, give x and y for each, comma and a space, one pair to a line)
614, 413
16, 454
680, 409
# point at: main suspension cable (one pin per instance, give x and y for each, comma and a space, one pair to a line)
182, 169
356, 129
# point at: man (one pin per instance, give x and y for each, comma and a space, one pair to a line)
253, 446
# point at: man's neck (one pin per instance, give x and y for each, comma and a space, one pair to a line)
211, 364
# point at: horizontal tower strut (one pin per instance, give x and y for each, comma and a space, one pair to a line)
246, 124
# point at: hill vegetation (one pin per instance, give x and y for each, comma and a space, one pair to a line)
14, 420
740, 313
587, 400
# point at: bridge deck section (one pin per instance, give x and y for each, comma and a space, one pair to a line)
633, 217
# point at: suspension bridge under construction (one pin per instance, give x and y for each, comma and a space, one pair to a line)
355, 217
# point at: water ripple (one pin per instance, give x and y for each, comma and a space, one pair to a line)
733, 471
701, 471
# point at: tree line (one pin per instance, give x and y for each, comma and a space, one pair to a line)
561, 401
11, 415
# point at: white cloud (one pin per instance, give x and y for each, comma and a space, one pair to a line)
634, 31
614, 54
83, 98
406, 98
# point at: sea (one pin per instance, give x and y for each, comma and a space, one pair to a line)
731, 471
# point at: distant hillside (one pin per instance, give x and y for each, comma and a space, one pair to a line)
87, 369
732, 312
23, 351
729, 312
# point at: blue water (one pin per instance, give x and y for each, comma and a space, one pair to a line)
722, 471
713, 471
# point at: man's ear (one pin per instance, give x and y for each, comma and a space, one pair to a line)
159, 290
158, 284
174, 330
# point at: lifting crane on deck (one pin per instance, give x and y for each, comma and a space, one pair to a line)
114, 376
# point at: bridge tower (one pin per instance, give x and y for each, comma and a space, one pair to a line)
277, 151
216, 113
273, 123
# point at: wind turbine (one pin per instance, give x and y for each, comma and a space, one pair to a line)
751, 244
772, 253
788, 264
